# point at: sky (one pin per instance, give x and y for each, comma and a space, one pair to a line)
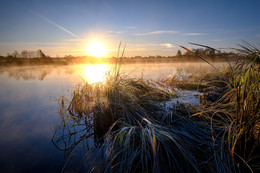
146, 27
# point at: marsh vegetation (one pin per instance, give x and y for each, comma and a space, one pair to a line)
136, 126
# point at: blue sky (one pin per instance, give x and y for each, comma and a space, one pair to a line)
148, 27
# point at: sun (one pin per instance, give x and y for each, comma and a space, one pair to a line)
96, 48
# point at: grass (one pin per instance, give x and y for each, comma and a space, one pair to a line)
152, 147
236, 112
129, 120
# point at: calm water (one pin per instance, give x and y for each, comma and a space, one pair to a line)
28, 111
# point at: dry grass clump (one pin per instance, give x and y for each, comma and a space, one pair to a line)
129, 119
99, 105
237, 111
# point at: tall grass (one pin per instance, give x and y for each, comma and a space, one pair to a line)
94, 108
237, 111
151, 148
243, 131
129, 119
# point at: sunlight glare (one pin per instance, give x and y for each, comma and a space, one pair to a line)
95, 73
96, 48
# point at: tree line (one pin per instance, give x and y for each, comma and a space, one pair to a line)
196, 52
27, 54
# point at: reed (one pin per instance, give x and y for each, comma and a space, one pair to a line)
130, 120
236, 111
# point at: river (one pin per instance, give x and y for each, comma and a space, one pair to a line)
29, 115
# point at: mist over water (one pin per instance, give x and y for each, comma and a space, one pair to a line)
28, 111
80, 73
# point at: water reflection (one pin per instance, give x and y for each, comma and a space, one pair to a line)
26, 73
94, 73
26, 118
26, 113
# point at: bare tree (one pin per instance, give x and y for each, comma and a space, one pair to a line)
15, 54
179, 53
40, 54
25, 54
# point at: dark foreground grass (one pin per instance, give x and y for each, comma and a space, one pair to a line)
130, 121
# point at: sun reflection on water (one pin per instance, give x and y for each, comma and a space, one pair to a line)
93, 73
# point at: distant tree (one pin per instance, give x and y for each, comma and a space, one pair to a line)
32, 54
25, 54
40, 54
15, 54
68, 56
199, 52
179, 53
188, 53
9, 55
210, 53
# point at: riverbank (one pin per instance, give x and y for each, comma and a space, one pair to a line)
132, 123
10, 61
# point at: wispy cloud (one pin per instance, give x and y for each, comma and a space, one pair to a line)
248, 29
158, 32
116, 32
167, 45
31, 43
120, 32
141, 44
217, 40
131, 27
194, 34
74, 40
78, 50
257, 35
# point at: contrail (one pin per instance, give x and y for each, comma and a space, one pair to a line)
58, 26
55, 24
